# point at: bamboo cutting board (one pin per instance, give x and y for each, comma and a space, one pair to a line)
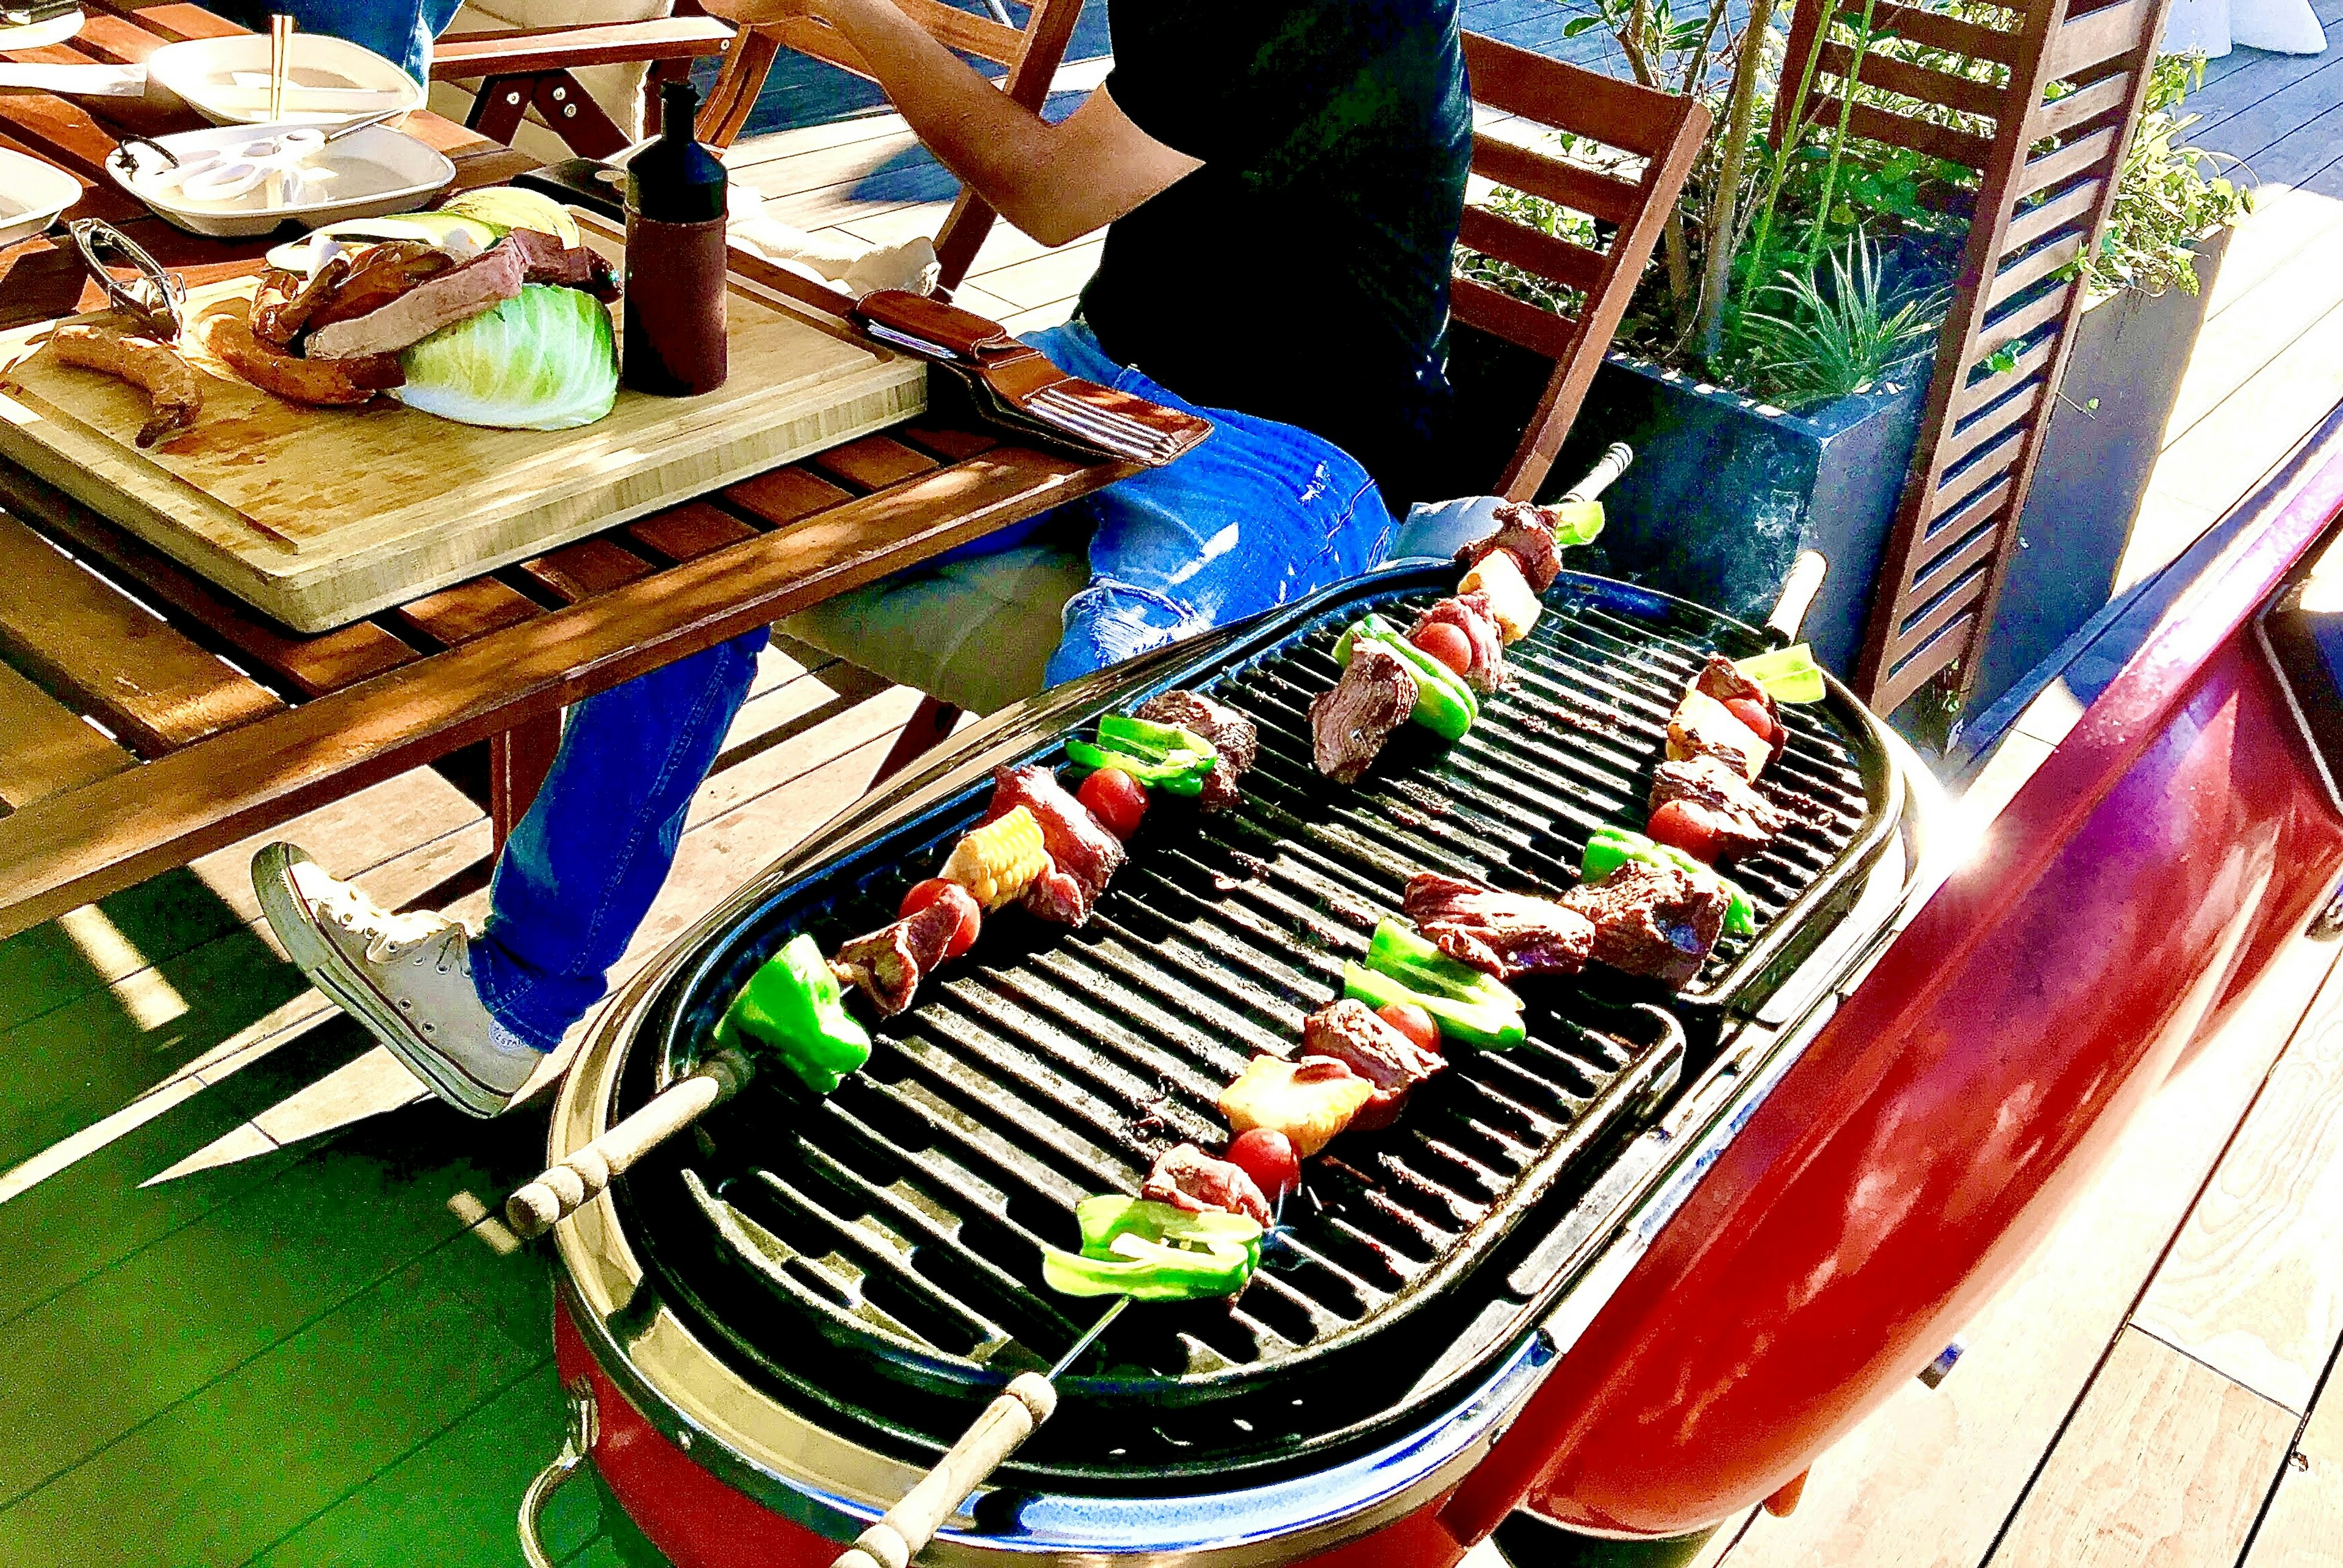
319, 517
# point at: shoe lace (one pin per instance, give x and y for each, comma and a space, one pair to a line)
387, 933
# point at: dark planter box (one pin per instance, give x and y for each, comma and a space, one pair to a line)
2130, 352
1726, 492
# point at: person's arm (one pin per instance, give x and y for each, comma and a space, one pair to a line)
1056, 182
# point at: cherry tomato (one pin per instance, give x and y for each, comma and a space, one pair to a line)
1752, 712
1267, 1156
1116, 799
1679, 823
971, 914
1413, 1023
1447, 643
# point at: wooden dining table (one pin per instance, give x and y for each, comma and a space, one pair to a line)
147, 717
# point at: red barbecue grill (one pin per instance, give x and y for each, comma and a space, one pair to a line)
1632, 1275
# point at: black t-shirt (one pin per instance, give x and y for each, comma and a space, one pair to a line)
1302, 273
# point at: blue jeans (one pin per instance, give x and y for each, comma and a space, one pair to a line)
400, 31
1259, 514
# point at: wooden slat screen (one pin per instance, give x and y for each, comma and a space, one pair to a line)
1981, 433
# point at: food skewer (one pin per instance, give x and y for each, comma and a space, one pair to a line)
586, 1172
1031, 1398
280, 63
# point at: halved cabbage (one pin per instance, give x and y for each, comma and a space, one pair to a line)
545, 361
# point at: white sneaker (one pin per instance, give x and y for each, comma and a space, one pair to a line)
408, 977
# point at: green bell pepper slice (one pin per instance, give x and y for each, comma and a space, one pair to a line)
1787, 674
1578, 523
1488, 1027
1180, 776
1167, 756
1444, 703
1153, 1253
1612, 848
794, 1008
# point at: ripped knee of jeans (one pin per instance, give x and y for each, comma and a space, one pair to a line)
1116, 621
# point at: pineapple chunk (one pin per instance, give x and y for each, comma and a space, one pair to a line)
1309, 1100
1513, 603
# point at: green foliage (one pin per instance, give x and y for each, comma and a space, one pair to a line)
2168, 193
1809, 343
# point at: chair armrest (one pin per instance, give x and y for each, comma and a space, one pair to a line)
460, 56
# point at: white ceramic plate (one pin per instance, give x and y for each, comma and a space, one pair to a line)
226, 80
32, 195
370, 172
41, 35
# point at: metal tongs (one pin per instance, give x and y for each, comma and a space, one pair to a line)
154, 298
1118, 434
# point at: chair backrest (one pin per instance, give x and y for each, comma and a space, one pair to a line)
1663, 131
1029, 53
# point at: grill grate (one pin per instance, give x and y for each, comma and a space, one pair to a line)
875, 1256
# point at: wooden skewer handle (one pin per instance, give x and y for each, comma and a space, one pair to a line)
566, 1188
1616, 458
1798, 590
910, 1524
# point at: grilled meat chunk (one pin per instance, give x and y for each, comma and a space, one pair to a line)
1350, 723
1743, 820
1232, 735
1524, 532
1503, 934
1187, 1178
888, 962
1082, 854
1469, 613
458, 294
546, 260
376, 277
175, 392
1349, 1033
1652, 920
1309, 1100
283, 304
1701, 727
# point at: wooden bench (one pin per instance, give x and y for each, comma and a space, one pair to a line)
147, 718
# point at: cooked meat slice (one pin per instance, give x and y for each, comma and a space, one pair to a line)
462, 292
1744, 819
375, 276
283, 304
547, 260
1057, 896
1232, 735
1349, 1033
1350, 723
1469, 613
1524, 532
887, 962
1721, 679
1652, 920
175, 393
1078, 846
1503, 934
1309, 1100
1701, 727
1187, 1178
322, 383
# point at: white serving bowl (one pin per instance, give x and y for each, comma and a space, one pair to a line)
373, 171
32, 196
41, 35
226, 80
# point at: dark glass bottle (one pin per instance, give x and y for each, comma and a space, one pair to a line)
675, 344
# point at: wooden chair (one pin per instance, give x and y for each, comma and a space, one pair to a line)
524, 68
1031, 55
1663, 130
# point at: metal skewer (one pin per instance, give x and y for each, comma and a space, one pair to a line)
905, 1530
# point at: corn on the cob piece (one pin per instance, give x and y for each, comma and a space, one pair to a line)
1513, 603
998, 860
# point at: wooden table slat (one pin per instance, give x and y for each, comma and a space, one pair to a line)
874, 462
469, 609
309, 665
145, 680
85, 842
687, 532
589, 567
45, 746
786, 494
173, 23
948, 442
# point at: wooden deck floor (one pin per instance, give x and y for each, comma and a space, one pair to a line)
306, 1347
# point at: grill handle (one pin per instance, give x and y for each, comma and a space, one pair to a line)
1615, 459
1798, 590
568, 1186
905, 1530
